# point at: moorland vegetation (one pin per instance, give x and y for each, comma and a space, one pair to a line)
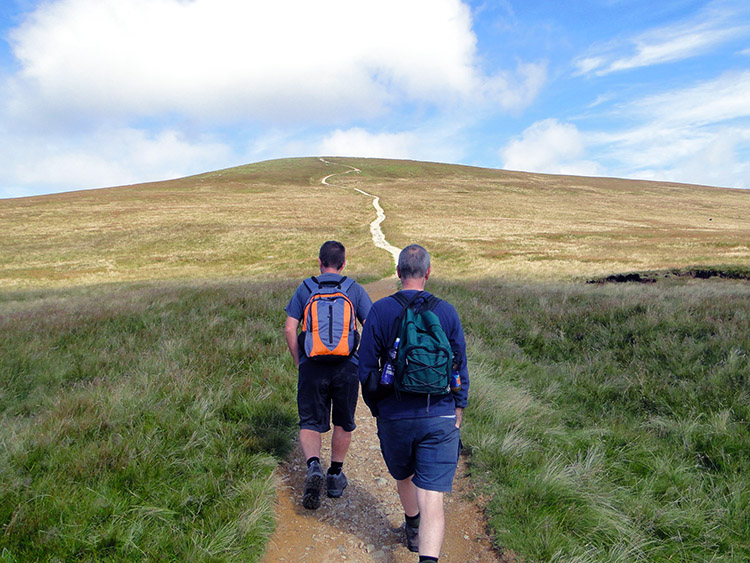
146, 394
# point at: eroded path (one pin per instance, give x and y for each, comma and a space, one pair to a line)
378, 238
365, 524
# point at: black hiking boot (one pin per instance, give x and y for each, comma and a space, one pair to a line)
335, 484
412, 537
313, 483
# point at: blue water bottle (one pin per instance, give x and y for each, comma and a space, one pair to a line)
389, 369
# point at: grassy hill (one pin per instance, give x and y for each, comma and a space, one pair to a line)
146, 393
268, 219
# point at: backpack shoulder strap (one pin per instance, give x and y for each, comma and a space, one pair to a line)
405, 302
310, 283
333, 283
345, 284
431, 302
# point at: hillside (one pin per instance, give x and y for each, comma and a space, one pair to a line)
267, 220
607, 422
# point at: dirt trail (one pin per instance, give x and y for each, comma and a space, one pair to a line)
365, 524
378, 238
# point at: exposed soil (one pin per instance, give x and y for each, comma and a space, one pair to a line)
366, 523
700, 273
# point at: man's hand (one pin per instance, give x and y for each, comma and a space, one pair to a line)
459, 417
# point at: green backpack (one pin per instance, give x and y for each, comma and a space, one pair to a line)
424, 358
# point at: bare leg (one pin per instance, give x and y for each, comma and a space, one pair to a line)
339, 443
407, 492
310, 441
431, 522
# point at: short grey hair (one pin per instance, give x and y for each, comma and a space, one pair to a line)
413, 262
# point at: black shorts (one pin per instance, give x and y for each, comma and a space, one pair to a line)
325, 393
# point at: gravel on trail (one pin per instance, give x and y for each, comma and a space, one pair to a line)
366, 523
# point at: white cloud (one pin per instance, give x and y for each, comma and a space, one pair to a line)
358, 142
516, 91
232, 59
721, 99
713, 158
713, 26
694, 135
433, 144
108, 92
549, 146
107, 158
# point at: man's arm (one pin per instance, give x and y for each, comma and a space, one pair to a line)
368, 356
369, 365
363, 305
458, 344
290, 330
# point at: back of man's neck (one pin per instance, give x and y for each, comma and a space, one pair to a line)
330, 271
408, 284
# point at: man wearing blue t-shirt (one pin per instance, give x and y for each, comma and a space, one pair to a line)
419, 434
326, 392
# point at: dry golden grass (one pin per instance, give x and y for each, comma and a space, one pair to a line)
480, 222
269, 219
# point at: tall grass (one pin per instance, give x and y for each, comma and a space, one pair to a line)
606, 423
611, 423
142, 422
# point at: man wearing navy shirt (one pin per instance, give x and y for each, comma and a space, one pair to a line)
419, 434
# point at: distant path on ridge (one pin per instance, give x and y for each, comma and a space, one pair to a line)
378, 238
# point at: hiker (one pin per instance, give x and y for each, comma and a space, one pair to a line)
418, 431
325, 355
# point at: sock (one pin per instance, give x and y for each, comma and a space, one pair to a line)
412, 521
335, 468
427, 558
310, 460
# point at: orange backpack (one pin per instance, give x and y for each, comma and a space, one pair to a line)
329, 325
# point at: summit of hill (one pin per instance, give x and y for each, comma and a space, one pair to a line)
265, 220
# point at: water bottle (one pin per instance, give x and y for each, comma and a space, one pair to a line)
455, 378
389, 369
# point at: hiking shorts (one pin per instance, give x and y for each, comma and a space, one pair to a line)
327, 393
426, 448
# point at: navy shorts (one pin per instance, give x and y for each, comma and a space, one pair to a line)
325, 393
426, 448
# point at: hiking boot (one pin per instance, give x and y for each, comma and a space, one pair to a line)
313, 483
412, 538
335, 484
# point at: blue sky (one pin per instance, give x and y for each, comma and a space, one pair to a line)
101, 93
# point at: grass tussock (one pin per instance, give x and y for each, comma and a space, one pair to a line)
143, 422
611, 423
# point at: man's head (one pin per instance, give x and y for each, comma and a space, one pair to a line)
332, 255
413, 263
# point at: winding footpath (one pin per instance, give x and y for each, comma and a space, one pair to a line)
378, 238
365, 525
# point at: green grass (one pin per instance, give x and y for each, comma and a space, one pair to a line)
611, 423
142, 422
607, 422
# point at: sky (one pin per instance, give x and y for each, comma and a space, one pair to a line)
97, 93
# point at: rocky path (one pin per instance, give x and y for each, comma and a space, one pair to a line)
364, 525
